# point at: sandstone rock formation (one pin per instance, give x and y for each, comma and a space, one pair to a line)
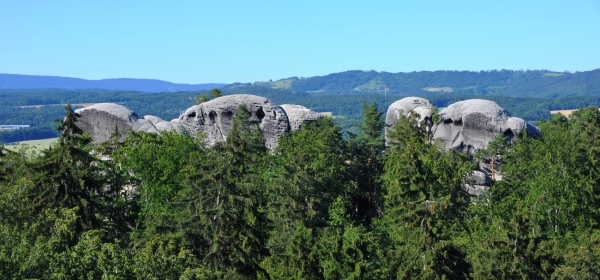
297, 115
466, 126
215, 117
405, 105
100, 121
469, 125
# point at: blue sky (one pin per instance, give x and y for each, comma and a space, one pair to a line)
247, 41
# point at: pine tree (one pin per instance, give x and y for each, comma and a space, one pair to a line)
67, 175
424, 204
222, 214
367, 150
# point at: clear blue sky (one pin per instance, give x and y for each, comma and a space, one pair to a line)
247, 41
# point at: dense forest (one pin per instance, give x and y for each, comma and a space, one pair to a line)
320, 206
526, 94
529, 83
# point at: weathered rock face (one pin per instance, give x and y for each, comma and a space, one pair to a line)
467, 126
215, 117
405, 105
297, 115
100, 121
470, 125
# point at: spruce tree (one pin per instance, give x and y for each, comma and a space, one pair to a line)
222, 216
67, 175
424, 204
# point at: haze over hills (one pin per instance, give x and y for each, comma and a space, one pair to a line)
14, 81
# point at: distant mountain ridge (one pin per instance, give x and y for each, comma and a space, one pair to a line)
529, 83
16, 81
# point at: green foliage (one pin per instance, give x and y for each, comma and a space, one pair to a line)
168, 206
424, 204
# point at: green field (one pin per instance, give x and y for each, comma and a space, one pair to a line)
286, 83
38, 144
375, 84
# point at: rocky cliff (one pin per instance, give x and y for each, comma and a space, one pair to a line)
465, 126
214, 118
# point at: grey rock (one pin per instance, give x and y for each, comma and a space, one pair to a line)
479, 178
470, 125
298, 115
405, 105
476, 190
215, 118
100, 121
162, 125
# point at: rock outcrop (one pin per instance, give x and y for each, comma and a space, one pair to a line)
464, 126
214, 118
100, 121
298, 115
405, 105
468, 126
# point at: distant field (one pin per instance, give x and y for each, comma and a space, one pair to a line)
552, 74
74, 104
439, 89
287, 83
38, 144
326, 114
375, 84
565, 113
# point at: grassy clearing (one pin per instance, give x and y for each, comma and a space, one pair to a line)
375, 84
552, 74
439, 89
38, 144
285, 83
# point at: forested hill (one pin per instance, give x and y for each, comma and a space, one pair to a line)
530, 83
13, 81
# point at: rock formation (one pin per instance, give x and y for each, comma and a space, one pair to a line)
464, 126
214, 118
468, 126
297, 115
100, 121
405, 105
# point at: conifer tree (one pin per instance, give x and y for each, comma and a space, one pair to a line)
367, 150
222, 214
68, 175
424, 203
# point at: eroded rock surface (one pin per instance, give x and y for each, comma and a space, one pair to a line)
215, 117
405, 105
298, 115
100, 121
470, 125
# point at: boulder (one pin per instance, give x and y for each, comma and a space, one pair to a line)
215, 118
100, 121
298, 115
405, 105
470, 125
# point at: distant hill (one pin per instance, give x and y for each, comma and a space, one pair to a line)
530, 83
14, 81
